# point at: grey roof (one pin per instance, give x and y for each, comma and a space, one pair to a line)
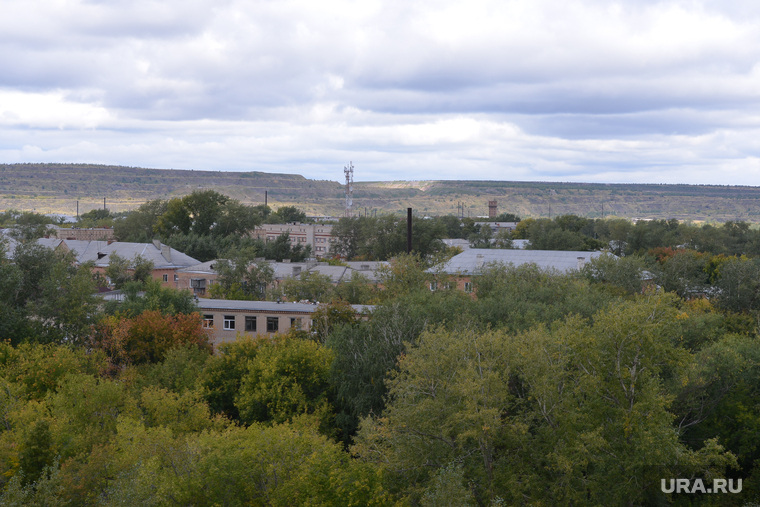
12, 243
162, 256
472, 261
264, 306
336, 273
208, 267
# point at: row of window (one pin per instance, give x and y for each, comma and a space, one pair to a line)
273, 323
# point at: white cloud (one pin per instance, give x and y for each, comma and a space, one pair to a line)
647, 91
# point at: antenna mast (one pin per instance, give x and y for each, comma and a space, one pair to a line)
349, 172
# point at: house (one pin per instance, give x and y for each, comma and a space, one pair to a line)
228, 319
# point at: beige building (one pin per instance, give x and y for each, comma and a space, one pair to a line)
319, 236
228, 319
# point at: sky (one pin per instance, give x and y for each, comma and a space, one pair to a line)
517, 90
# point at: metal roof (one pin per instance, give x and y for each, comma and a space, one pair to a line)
264, 306
472, 261
162, 256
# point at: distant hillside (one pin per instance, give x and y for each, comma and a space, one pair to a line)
55, 188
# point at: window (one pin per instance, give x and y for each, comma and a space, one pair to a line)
468, 286
250, 324
433, 286
229, 322
295, 322
273, 324
166, 278
208, 321
176, 277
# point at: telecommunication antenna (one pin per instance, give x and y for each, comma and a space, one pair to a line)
349, 172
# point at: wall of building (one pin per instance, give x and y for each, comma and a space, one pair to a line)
219, 321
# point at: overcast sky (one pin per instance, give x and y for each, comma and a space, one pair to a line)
549, 90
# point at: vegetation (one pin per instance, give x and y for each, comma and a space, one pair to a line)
539, 388
125, 188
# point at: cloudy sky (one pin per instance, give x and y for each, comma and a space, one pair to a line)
550, 90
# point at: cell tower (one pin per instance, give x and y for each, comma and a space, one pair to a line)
349, 171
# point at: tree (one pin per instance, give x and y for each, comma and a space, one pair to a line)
242, 277
286, 215
36, 451
507, 217
288, 377
118, 270
624, 273
329, 317
147, 337
207, 213
573, 414
449, 403
96, 218
151, 295
140, 226
358, 290
309, 286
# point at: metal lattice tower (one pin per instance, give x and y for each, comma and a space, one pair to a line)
349, 172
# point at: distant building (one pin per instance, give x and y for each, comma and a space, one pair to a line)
91, 234
493, 210
318, 236
471, 262
499, 226
199, 277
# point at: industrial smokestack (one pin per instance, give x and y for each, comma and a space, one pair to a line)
408, 230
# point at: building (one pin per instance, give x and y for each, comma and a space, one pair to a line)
318, 236
91, 234
228, 319
499, 226
471, 262
493, 210
200, 277
165, 259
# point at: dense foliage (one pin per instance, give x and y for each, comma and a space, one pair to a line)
539, 388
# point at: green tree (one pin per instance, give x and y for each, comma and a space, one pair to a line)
286, 215
358, 290
140, 225
310, 286
625, 273
36, 451
287, 377
151, 295
242, 277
